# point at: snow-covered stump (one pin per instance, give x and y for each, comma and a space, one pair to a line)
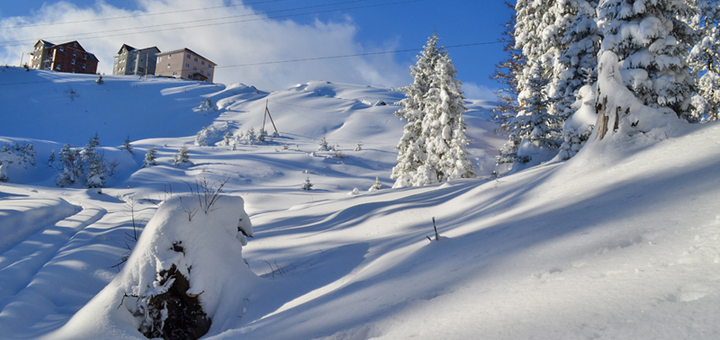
185, 277
183, 264
618, 110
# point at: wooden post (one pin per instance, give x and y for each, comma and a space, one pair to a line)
267, 112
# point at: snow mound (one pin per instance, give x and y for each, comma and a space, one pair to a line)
185, 243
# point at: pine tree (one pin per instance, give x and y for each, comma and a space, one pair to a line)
438, 147
704, 59
359, 145
377, 185
651, 44
150, 157
182, 157
506, 73
95, 163
534, 127
70, 165
307, 185
250, 136
577, 65
411, 147
127, 146
323, 144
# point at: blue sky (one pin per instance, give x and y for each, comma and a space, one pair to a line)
348, 28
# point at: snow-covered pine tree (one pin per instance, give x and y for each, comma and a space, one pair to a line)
411, 147
539, 38
150, 157
576, 67
70, 165
307, 185
127, 146
323, 144
432, 147
95, 163
506, 73
359, 145
182, 157
443, 129
377, 185
651, 43
534, 128
704, 59
262, 136
250, 136
95, 174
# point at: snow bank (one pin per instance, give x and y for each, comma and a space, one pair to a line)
188, 235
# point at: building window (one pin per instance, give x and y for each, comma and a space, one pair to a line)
187, 65
168, 65
174, 74
72, 62
188, 56
209, 65
202, 72
85, 57
169, 56
159, 58
209, 74
57, 67
203, 62
74, 53
196, 60
194, 68
61, 49
83, 66
189, 77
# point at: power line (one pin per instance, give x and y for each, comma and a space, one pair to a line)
138, 15
353, 55
142, 28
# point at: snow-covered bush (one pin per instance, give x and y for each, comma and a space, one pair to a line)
207, 106
3, 173
359, 145
14, 154
209, 135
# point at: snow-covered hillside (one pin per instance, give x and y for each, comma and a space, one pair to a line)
621, 241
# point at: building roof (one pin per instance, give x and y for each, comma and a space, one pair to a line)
44, 42
127, 47
188, 50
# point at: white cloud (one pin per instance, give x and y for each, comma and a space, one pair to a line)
475, 91
242, 37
